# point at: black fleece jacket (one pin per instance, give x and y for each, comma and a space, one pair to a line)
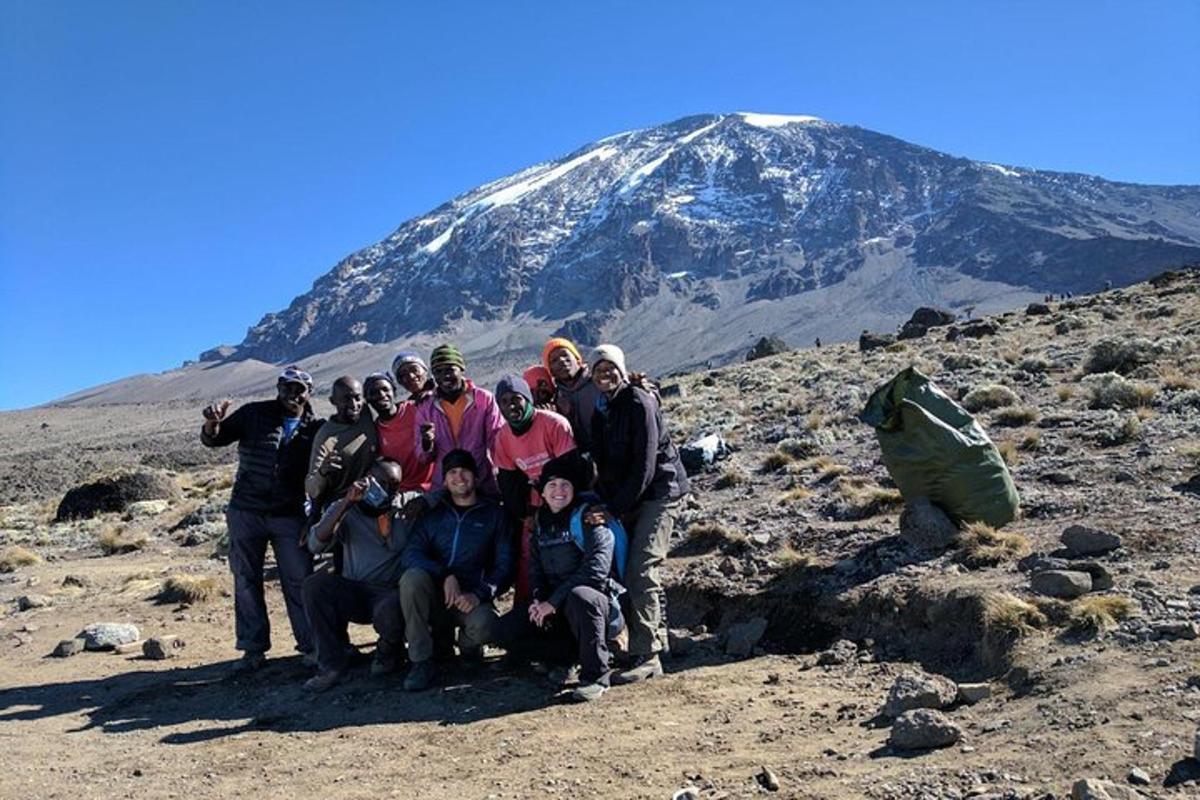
635, 457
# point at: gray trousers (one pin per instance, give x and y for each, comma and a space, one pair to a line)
424, 609
249, 535
649, 528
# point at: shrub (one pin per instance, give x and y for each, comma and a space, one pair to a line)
115, 540
1119, 430
1015, 417
1034, 364
981, 545
1122, 355
960, 361
776, 461
1098, 612
15, 556
1065, 393
183, 588
798, 448
989, 396
1110, 390
730, 477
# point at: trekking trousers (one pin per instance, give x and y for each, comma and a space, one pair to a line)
333, 601
249, 535
424, 608
649, 527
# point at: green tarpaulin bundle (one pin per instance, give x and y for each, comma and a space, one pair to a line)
933, 448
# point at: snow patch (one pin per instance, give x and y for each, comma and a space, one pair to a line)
775, 120
1012, 173
639, 175
677, 275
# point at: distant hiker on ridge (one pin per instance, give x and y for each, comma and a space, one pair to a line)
275, 438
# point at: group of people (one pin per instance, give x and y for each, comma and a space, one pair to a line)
435, 497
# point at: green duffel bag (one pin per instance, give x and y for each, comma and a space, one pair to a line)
933, 448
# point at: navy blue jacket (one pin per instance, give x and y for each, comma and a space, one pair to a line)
472, 544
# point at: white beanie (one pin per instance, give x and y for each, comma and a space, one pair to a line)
611, 353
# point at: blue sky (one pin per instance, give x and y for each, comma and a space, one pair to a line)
169, 172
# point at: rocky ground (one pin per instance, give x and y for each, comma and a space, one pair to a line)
818, 652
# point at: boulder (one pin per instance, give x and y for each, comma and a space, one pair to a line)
702, 453
913, 689
926, 527
873, 341
28, 601
115, 494
108, 635
1176, 629
843, 651
1083, 540
932, 317
1037, 310
161, 647
741, 639
923, 729
767, 346
146, 508
1062, 583
68, 647
1092, 789
972, 693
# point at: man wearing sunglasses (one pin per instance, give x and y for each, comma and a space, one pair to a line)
274, 439
373, 533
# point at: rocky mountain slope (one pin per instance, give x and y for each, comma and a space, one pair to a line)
733, 213
810, 639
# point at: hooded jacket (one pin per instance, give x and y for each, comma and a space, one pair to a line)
472, 544
557, 565
635, 457
577, 402
480, 422
270, 473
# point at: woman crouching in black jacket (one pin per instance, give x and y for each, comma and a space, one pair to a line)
570, 569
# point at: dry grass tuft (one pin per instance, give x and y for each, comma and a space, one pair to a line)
1098, 613
704, 537
1110, 390
831, 471
1030, 441
1065, 393
1015, 416
1175, 380
989, 396
731, 477
15, 556
776, 461
867, 500
1009, 452
190, 589
981, 545
115, 540
1007, 615
796, 494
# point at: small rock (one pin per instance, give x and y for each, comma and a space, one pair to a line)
1139, 777
1177, 629
925, 526
77, 581
740, 639
161, 647
766, 779
107, 635
68, 647
760, 539
1196, 746
687, 793
1102, 579
923, 729
842, 651
1082, 540
972, 693
680, 643
146, 508
913, 689
1039, 562
27, 601
673, 390
128, 648
1062, 583
1092, 789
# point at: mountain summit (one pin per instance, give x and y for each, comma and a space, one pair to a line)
726, 226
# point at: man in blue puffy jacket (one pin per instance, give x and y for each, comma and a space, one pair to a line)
458, 559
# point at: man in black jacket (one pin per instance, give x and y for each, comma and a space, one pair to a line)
640, 478
267, 506
458, 559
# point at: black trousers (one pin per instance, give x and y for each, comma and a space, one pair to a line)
579, 628
332, 602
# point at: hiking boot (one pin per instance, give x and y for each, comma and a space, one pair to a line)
384, 661
249, 662
588, 692
420, 677
562, 676
644, 668
323, 680
309, 659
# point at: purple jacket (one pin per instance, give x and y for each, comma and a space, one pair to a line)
480, 423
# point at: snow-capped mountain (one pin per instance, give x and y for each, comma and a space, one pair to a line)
768, 222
